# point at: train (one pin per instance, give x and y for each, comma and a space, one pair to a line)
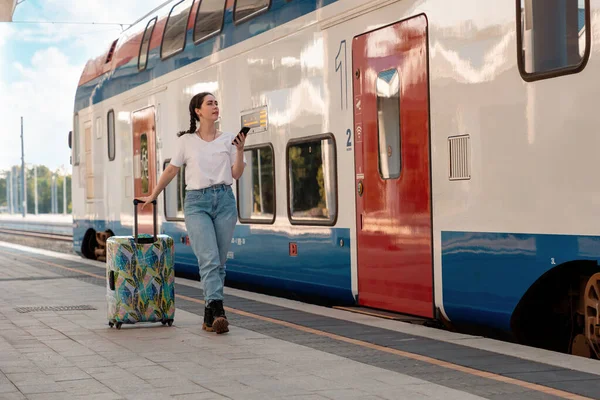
431, 158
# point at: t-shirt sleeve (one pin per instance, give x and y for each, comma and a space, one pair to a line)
233, 152
179, 158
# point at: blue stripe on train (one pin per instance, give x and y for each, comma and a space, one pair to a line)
485, 275
128, 77
260, 256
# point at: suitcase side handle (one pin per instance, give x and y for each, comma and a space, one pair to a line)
135, 223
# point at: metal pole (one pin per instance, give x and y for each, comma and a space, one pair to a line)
10, 175
52, 194
23, 172
64, 191
35, 190
55, 184
25, 192
7, 192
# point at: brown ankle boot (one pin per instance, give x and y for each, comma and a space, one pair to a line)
219, 323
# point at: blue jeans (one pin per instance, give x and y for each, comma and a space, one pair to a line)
210, 217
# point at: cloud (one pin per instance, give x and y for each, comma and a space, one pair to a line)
43, 95
46, 80
6, 32
95, 13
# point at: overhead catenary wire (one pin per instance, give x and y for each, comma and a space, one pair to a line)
122, 25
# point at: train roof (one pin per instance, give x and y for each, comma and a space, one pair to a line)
127, 45
116, 70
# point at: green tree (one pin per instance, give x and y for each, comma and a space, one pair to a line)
44, 190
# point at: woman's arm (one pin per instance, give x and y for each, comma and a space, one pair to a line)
165, 178
238, 166
237, 169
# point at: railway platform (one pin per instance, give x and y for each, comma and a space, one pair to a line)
55, 343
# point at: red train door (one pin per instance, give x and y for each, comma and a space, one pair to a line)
144, 163
393, 183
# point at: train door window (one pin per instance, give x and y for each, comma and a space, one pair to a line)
388, 123
76, 140
311, 178
209, 19
176, 29
246, 9
144, 163
145, 45
553, 37
110, 126
175, 195
256, 187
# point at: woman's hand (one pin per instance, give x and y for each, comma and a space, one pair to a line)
147, 200
239, 141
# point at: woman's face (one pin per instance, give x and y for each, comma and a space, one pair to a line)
209, 109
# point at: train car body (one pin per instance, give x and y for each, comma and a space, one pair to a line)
430, 157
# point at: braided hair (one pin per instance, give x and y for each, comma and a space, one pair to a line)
195, 102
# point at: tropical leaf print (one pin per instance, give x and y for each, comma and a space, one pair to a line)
144, 279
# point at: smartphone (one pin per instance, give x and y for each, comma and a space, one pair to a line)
244, 131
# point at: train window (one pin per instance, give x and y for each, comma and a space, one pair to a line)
176, 29
209, 19
256, 187
76, 140
110, 126
311, 179
175, 195
553, 37
144, 163
145, 45
246, 9
388, 123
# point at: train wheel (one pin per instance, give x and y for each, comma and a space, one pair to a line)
89, 244
581, 346
592, 313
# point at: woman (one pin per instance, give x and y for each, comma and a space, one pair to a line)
213, 160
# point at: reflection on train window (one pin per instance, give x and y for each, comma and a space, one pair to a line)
145, 46
552, 34
110, 126
312, 188
175, 32
144, 163
209, 19
388, 123
246, 9
256, 187
175, 195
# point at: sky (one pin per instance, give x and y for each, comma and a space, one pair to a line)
40, 66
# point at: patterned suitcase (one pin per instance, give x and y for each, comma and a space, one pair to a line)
140, 277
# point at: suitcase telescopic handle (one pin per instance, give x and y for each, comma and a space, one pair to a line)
135, 223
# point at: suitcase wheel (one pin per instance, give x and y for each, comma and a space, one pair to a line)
163, 322
111, 324
170, 322
119, 325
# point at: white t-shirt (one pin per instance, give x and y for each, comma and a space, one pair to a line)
207, 163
